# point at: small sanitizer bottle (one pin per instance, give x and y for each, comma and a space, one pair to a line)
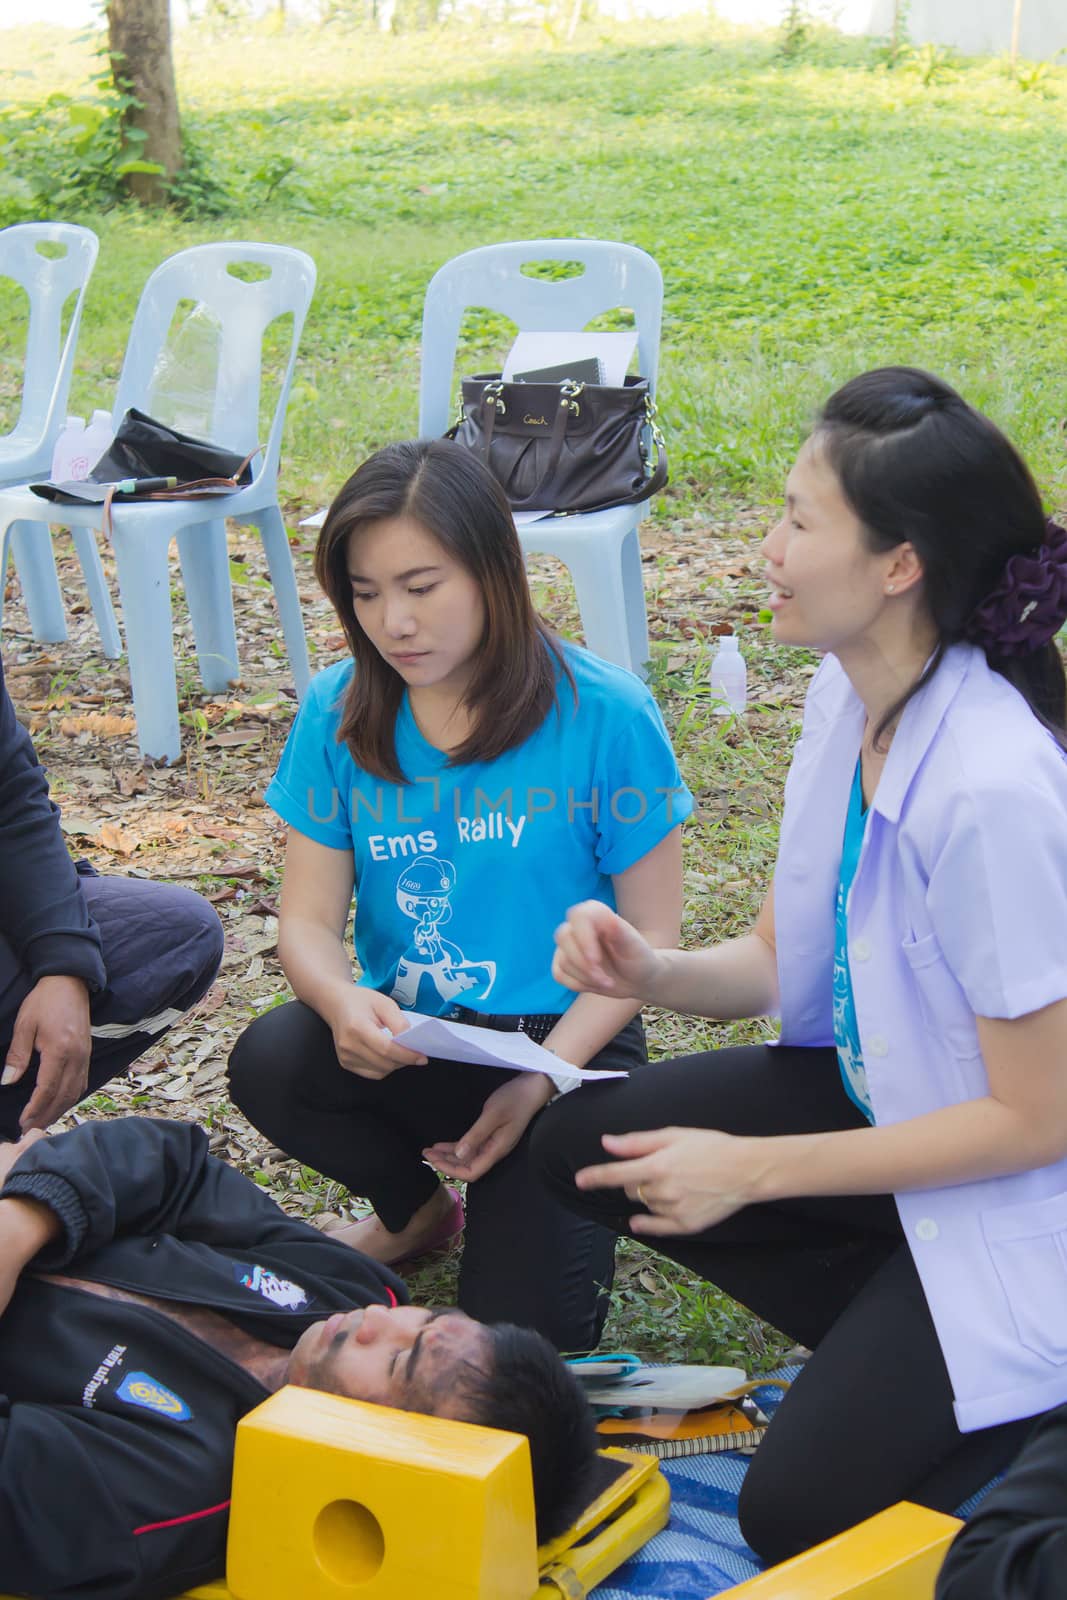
98, 437
69, 453
728, 678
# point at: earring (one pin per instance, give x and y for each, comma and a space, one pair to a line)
890, 587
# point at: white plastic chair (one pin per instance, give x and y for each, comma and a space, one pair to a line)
600, 548
142, 532
26, 452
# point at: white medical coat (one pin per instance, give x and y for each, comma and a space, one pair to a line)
958, 909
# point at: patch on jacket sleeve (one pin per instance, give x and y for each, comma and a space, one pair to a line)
279, 1291
139, 1389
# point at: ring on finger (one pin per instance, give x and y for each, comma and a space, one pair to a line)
641, 1197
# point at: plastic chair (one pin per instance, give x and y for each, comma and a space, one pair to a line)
600, 548
26, 452
142, 532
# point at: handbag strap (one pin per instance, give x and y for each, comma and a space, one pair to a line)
653, 483
659, 472
557, 434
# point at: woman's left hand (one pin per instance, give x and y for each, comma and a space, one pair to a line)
505, 1117
688, 1178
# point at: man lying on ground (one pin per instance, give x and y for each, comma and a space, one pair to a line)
92, 969
150, 1296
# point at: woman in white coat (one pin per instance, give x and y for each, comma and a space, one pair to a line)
888, 1182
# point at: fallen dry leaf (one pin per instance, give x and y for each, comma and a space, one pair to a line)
264, 907
231, 737
114, 837
236, 869
131, 780
215, 830
216, 996
228, 892
78, 827
104, 724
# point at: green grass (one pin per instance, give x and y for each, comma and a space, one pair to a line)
812, 217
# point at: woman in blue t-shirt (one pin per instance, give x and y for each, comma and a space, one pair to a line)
469, 776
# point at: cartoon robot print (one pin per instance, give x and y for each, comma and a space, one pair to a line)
432, 969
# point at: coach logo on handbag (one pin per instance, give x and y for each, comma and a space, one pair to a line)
534, 422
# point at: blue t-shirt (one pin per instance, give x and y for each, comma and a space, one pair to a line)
464, 873
846, 1030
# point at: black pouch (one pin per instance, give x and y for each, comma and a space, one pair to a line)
143, 449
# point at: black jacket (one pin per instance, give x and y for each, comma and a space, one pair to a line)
42, 913
116, 1423
1015, 1545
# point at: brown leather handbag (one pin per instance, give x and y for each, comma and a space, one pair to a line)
565, 446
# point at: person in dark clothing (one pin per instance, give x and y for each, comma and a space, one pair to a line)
1015, 1545
150, 1296
92, 969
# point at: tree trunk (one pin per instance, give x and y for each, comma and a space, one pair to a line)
1016, 19
141, 64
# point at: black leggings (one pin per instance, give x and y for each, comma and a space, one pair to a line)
869, 1421
526, 1259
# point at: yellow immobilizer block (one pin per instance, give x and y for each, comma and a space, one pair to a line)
332, 1497
895, 1555
335, 1498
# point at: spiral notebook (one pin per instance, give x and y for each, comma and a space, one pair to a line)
553, 357
588, 369
671, 1434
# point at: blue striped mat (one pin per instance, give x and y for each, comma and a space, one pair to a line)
700, 1552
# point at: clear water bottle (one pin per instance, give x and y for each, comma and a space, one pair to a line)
728, 679
69, 461
98, 437
181, 392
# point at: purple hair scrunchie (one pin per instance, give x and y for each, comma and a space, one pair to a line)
1029, 604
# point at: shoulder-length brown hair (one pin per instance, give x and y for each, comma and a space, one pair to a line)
458, 501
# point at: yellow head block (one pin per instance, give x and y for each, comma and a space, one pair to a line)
333, 1498
895, 1555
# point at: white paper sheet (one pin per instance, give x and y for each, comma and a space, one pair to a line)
522, 519
533, 350
489, 1047
683, 1388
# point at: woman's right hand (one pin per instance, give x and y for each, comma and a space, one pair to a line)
597, 952
362, 1022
